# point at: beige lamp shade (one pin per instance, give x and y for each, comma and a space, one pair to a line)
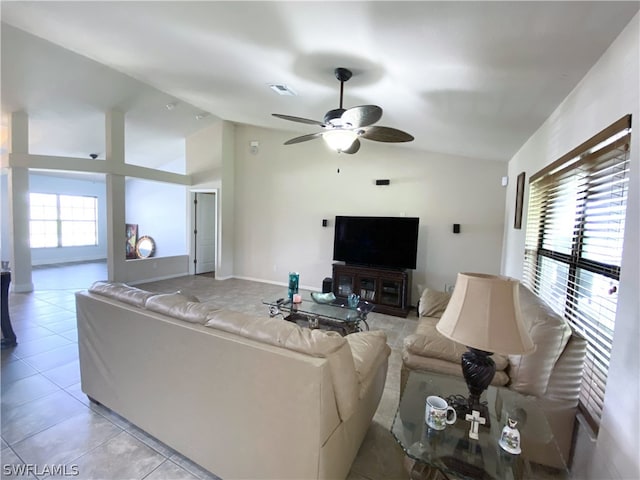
484, 313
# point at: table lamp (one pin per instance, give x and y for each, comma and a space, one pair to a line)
484, 314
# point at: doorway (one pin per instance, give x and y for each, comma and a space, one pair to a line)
204, 233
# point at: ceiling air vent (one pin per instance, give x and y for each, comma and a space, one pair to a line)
282, 89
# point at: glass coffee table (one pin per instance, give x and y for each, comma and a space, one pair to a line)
451, 454
331, 316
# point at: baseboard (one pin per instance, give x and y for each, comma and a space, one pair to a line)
271, 282
584, 425
67, 261
22, 287
156, 279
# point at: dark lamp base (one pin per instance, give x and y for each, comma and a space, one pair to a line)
478, 369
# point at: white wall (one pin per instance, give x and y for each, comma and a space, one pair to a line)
209, 152
6, 242
144, 270
72, 186
160, 210
204, 156
609, 91
284, 192
227, 205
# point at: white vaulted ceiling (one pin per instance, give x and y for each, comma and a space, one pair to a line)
467, 78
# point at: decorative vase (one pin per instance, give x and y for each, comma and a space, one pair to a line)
353, 300
294, 280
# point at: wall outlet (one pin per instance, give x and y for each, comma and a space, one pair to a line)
448, 288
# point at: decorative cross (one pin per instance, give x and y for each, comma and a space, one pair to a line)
476, 420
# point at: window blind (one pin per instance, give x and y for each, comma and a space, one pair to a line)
573, 247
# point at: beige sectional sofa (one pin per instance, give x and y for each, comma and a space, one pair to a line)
552, 373
244, 397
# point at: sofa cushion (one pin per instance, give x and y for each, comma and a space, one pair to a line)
172, 298
550, 333
445, 367
428, 342
433, 303
318, 343
122, 292
181, 306
188, 296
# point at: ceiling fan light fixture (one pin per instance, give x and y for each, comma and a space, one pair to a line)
343, 128
339, 140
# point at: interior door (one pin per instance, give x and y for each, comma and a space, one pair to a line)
205, 232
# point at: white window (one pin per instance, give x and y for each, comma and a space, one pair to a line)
63, 220
573, 250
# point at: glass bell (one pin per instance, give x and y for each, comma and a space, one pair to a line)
510, 437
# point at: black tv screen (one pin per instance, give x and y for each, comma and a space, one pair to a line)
390, 242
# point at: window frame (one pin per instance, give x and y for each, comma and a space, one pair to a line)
62, 220
586, 165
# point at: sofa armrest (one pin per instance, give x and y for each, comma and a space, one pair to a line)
550, 333
566, 378
369, 350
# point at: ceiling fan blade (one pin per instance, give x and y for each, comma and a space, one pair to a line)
355, 146
303, 138
362, 116
298, 119
385, 134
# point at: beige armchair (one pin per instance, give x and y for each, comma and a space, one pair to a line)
552, 373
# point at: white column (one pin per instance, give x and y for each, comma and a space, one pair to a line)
114, 125
116, 261
225, 267
18, 193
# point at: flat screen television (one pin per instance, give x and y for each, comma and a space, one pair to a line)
389, 242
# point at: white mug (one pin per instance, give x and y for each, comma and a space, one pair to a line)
438, 414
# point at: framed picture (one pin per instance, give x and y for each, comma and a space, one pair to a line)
517, 222
132, 239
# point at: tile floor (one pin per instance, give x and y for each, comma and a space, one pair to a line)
47, 421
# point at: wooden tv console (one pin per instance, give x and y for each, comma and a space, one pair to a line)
388, 289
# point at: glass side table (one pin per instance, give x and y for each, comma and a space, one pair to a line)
335, 315
451, 454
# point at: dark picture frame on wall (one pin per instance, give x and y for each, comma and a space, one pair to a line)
132, 240
517, 221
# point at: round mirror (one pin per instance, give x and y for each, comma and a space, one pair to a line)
145, 247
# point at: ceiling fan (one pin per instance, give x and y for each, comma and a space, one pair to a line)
344, 127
